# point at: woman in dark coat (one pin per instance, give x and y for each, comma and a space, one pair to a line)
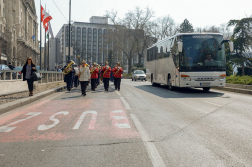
27, 71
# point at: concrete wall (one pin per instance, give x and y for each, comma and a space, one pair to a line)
8, 86
20, 85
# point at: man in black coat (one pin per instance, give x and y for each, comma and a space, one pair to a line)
69, 77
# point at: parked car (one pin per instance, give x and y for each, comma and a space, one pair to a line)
138, 75
4, 67
18, 68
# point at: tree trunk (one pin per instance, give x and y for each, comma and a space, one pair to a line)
243, 71
129, 65
139, 59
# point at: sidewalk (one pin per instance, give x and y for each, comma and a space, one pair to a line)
27, 100
7, 97
238, 88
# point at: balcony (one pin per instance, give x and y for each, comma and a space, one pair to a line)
21, 39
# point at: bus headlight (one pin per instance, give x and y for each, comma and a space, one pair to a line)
185, 77
222, 77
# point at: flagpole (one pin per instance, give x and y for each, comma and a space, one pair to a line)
45, 48
69, 46
45, 52
48, 51
40, 38
48, 47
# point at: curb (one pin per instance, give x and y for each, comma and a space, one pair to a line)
11, 93
236, 90
21, 102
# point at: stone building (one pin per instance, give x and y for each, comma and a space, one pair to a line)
18, 31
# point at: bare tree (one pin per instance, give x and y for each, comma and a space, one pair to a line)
129, 32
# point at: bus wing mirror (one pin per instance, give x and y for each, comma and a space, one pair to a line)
231, 46
180, 46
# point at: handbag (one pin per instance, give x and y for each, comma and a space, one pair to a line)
36, 76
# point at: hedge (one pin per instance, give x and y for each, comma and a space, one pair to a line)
245, 80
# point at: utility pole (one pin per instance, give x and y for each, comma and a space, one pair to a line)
40, 39
69, 46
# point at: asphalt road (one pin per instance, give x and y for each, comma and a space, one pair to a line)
140, 125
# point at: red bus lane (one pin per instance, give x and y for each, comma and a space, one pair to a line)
68, 120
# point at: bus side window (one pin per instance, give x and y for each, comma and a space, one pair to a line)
167, 52
155, 53
151, 54
148, 55
175, 53
161, 56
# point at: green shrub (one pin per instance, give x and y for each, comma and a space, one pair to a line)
127, 75
245, 80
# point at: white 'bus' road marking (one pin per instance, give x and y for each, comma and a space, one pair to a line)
8, 129
92, 122
56, 121
125, 103
213, 103
152, 150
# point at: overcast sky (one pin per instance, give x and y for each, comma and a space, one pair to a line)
200, 13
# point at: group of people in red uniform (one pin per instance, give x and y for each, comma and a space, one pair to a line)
105, 72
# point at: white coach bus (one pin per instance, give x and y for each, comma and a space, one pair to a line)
188, 60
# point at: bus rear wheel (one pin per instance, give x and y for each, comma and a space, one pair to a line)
206, 89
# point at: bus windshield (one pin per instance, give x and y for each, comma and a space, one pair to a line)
202, 53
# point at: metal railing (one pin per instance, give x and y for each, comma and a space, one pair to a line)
47, 76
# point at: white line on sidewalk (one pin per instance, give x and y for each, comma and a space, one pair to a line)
125, 103
152, 150
213, 103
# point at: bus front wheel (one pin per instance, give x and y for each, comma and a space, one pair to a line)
206, 89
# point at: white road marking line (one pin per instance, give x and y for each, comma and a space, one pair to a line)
125, 103
118, 93
213, 103
156, 159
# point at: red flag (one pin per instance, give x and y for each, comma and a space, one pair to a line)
42, 14
47, 18
46, 26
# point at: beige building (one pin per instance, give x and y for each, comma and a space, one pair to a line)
18, 31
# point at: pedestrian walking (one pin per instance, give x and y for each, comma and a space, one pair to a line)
106, 75
76, 78
94, 75
111, 77
99, 75
84, 77
27, 71
68, 78
118, 75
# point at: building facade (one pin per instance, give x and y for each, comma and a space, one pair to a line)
18, 31
88, 40
54, 53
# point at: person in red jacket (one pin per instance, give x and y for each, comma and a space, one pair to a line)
117, 76
94, 75
106, 75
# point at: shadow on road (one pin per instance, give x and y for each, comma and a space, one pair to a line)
163, 92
